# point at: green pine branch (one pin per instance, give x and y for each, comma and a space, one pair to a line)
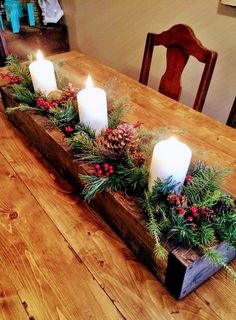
163, 188
67, 115
205, 183
83, 128
154, 228
23, 94
93, 186
119, 109
225, 226
22, 107
19, 69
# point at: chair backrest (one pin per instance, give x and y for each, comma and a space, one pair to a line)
232, 116
3, 49
181, 43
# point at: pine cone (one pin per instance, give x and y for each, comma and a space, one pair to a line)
138, 158
119, 141
69, 92
221, 207
177, 200
208, 214
173, 198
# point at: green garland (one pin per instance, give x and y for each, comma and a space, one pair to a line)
202, 216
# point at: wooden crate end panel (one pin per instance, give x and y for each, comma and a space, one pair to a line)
175, 274
202, 269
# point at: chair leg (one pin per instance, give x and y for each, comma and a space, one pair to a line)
232, 116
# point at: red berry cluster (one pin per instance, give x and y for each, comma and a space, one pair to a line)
68, 129
105, 169
191, 215
107, 131
45, 104
9, 76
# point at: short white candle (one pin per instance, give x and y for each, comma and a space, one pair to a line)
42, 75
92, 104
170, 158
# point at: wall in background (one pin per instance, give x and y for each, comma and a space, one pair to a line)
114, 32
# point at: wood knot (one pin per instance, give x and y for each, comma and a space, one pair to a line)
13, 215
101, 263
12, 176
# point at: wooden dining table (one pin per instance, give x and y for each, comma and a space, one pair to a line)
58, 258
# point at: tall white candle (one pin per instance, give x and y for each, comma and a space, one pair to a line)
170, 158
92, 104
42, 74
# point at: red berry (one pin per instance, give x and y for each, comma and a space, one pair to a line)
68, 129
181, 212
11, 77
189, 218
107, 174
194, 211
106, 166
111, 171
110, 167
99, 173
107, 131
97, 166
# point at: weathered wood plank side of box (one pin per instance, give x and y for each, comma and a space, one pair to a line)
183, 270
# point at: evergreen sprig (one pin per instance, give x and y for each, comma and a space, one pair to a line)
23, 94
83, 128
159, 191
154, 228
22, 107
19, 69
205, 182
131, 180
225, 227
117, 112
66, 115
83, 145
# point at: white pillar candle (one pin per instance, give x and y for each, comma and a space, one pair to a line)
42, 75
170, 158
92, 104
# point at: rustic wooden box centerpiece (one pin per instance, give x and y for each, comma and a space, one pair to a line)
182, 271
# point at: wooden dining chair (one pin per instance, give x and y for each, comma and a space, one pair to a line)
3, 49
181, 43
231, 121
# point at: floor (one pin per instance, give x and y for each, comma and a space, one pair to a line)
59, 260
